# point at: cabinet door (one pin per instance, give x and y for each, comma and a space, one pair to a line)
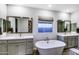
71, 41
29, 43
21, 49
66, 41
3, 49
13, 49
29, 46
16, 49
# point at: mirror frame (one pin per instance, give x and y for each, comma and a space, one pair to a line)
7, 18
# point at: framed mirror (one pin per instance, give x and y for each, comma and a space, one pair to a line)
2, 25
19, 24
64, 26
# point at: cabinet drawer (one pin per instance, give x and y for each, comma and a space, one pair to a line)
3, 42
16, 41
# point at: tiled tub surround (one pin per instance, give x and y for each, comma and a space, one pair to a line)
16, 45
71, 39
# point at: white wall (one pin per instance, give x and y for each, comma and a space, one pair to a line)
33, 12
3, 11
75, 18
13, 10
64, 16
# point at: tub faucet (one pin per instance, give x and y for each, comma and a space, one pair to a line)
47, 40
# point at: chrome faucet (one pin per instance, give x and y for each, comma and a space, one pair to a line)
20, 34
47, 39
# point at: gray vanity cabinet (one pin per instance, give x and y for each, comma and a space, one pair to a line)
20, 47
71, 41
16, 47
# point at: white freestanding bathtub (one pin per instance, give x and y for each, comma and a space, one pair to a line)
53, 47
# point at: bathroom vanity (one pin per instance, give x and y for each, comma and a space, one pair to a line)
71, 39
13, 44
16, 45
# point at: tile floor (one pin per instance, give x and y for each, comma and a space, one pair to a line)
66, 52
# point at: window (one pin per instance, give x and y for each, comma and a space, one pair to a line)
45, 26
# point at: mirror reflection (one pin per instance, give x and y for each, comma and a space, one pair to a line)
66, 26
2, 25
19, 24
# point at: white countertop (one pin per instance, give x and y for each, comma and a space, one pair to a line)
68, 34
15, 38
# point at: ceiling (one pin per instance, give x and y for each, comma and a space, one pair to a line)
69, 8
